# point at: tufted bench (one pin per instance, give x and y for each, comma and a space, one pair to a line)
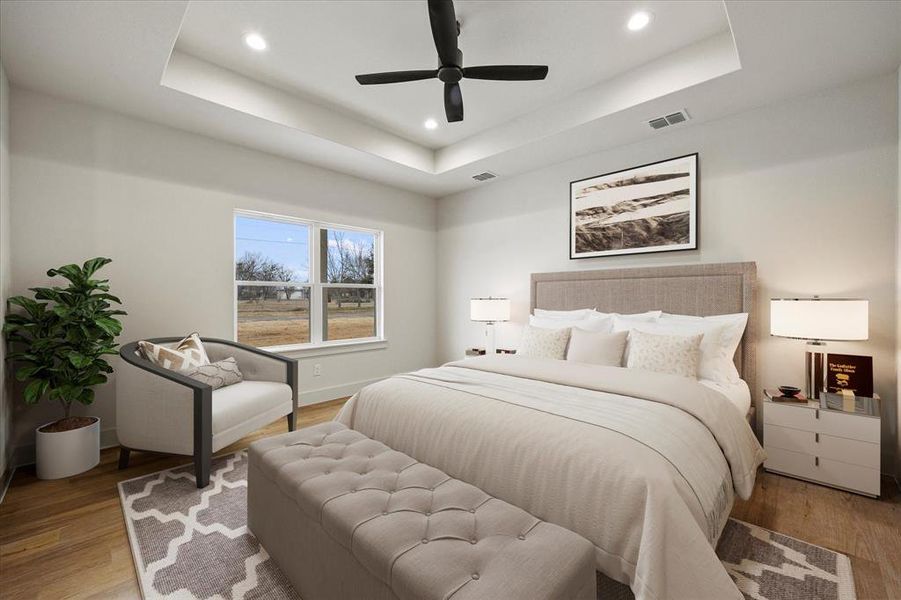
346, 517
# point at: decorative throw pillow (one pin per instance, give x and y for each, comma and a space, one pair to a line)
218, 374
674, 354
184, 356
717, 362
543, 343
597, 348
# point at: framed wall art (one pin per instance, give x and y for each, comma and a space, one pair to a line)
650, 208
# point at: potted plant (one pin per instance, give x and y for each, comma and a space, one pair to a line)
59, 340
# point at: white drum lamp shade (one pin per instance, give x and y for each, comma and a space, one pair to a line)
819, 318
489, 310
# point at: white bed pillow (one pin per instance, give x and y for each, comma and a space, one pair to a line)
543, 343
597, 348
674, 354
581, 313
594, 324
645, 317
730, 337
715, 359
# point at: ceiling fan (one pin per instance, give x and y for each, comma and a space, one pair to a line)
445, 29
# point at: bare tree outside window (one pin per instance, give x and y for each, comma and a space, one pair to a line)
254, 266
348, 257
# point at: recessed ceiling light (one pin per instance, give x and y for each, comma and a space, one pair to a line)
255, 41
430, 124
639, 21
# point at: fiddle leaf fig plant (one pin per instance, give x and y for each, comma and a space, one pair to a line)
60, 336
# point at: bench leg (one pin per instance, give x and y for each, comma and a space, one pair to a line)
123, 457
292, 421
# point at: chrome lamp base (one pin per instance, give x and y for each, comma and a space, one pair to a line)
815, 369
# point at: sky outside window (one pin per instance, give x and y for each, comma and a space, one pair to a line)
285, 243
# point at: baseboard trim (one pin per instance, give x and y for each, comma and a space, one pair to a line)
7, 479
334, 392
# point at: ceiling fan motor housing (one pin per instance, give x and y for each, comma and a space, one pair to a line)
450, 74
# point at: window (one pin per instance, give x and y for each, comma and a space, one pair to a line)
305, 284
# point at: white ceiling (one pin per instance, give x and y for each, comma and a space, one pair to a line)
600, 92
315, 49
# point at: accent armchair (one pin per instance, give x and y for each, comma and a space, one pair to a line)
160, 410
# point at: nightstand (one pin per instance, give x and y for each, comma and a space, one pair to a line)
835, 443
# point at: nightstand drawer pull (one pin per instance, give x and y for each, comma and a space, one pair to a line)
818, 413
816, 438
816, 461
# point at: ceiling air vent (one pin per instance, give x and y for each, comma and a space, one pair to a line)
484, 176
670, 119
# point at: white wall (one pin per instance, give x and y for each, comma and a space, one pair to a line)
159, 202
898, 285
806, 188
5, 395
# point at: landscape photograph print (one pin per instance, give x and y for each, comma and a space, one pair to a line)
651, 208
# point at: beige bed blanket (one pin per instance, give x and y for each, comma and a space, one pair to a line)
643, 465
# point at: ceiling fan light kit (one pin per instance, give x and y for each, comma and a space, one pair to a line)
445, 31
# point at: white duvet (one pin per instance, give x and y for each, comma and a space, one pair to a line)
644, 465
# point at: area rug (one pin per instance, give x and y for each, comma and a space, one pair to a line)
189, 543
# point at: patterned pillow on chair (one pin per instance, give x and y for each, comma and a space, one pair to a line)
186, 355
218, 374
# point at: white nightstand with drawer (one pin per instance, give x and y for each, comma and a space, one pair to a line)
836, 445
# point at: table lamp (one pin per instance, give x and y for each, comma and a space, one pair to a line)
489, 311
818, 320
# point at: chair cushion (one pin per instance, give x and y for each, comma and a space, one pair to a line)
423, 534
241, 402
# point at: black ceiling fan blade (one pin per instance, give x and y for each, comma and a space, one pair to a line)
453, 102
444, 30
395, 77
507, 72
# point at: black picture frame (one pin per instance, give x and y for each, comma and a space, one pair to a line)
688, 161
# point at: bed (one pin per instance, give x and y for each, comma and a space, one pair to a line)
644, 465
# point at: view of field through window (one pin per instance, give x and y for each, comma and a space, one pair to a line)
274, 288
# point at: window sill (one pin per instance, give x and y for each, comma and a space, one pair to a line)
338, 347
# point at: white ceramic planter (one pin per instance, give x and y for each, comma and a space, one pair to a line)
67, 453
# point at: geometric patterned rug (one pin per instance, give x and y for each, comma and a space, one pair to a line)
189, 543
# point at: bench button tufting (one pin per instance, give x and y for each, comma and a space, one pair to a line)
425, 541
472, 510
475, 575
473, 541
521, 536
384, 512
428, 514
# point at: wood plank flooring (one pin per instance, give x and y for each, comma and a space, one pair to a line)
67, 539
867, 530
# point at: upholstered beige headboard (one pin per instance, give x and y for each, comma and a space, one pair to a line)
702, 290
